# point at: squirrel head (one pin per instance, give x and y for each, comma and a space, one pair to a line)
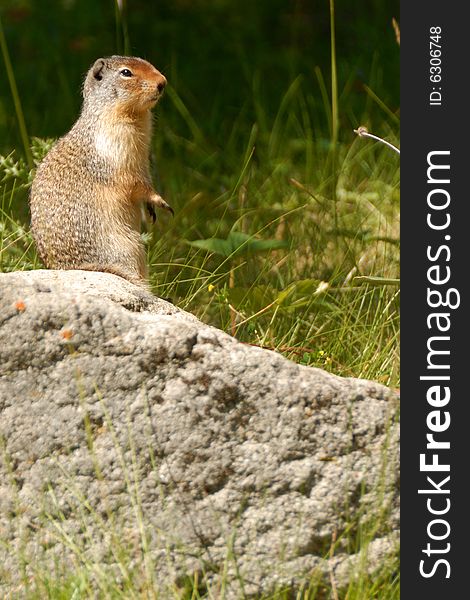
124, 83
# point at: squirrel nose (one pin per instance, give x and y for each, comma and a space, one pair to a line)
161, 84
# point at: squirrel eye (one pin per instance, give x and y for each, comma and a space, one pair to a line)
125, 73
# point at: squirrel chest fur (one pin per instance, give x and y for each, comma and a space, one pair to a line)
87, 194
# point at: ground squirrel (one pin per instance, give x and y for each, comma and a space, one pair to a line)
87, 194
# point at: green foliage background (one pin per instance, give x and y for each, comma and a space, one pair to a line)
212, 51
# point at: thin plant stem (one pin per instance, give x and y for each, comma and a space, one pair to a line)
362, 132
334, 78
334, 108
122, 32
16, 98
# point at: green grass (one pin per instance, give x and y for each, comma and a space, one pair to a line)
306, 214
276, 182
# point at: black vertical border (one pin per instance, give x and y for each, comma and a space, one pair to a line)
426, 128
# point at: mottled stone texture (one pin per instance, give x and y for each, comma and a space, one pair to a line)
135, 439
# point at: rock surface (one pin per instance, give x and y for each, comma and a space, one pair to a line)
138, 443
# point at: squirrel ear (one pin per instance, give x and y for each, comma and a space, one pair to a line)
97, 69
95, 73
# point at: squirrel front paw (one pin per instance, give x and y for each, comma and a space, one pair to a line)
156, 201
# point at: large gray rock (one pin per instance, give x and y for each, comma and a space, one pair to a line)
138, 443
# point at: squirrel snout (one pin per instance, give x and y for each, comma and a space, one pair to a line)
161, 83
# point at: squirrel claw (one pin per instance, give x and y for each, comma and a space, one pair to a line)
160, 203
151, 212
